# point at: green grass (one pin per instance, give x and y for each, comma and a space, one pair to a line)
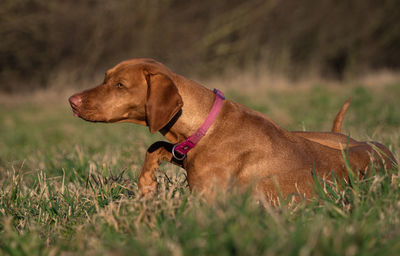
68, 186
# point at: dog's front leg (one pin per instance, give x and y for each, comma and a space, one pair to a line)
157, 152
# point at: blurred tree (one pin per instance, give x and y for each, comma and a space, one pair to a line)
334, 39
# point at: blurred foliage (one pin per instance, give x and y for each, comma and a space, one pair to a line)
334, 39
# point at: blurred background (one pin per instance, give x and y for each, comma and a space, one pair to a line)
43, 41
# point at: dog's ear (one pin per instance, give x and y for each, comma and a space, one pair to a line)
163, 101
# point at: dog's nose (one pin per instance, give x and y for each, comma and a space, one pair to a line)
75, 100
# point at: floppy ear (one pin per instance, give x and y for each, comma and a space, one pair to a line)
163, 101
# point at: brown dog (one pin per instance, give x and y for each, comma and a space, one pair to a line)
243, 147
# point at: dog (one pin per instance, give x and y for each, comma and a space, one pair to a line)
217, 141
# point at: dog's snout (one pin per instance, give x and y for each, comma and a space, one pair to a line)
75, 100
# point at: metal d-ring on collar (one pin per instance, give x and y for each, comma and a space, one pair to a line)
175, 156
184, 147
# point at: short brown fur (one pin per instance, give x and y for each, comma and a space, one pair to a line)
243, 147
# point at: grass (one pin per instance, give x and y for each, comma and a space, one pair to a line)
70, 187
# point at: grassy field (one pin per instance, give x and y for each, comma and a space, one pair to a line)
70, 187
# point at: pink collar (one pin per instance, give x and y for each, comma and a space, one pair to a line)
184, 147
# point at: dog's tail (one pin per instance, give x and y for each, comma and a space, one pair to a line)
337, 123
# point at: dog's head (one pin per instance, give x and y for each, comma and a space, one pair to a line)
141, 91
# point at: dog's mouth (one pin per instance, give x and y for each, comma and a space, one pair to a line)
93, 116
77, 112
74, 111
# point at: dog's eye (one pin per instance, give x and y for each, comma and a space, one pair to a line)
120, 86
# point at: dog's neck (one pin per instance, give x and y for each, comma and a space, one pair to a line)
197, 103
